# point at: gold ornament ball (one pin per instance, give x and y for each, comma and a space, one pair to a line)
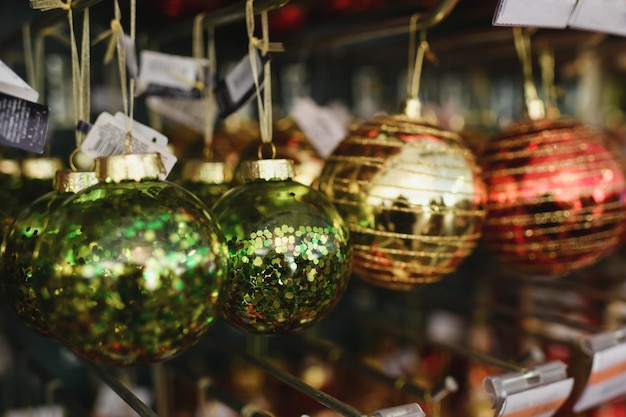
412, 196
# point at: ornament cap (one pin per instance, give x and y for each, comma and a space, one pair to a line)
10, 167
207, 172
268, 170
129, 167
41, 168
72, 181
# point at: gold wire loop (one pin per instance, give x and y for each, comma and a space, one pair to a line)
262, 146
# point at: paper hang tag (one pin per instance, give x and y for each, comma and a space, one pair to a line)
44, 411
132, 63
408, 410
540, 392
607, 379
13, 85
144, 131
107, 137
190, 113
600, 16
170, 75
23, 124
325, 127
238, 88
535, 13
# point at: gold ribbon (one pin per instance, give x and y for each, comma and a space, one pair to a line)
81, 67
115, 34
204, 85
534, 106
264, 98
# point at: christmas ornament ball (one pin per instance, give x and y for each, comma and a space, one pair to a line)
289, 248
17, 263
556, 197
412, 196
132, 267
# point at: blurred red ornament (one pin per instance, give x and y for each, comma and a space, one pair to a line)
556, 197
288, 18
176, 8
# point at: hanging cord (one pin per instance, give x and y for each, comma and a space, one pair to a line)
546, 63
415, 66
116, 46
81, 68
206, 86
264, 98
534, 106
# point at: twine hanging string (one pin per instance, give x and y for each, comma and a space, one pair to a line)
206, 85
534, 106
116, 47
546, 63
264, 98
81, 68
415, 66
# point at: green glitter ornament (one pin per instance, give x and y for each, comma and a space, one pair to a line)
16, 265
289, 250
132, 268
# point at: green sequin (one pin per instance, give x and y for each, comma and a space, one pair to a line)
141, 281
290, 256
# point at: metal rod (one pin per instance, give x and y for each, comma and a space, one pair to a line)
549, 317
320, 396
121, 390
476, 356
74, 408
46, 20
221, 17
225, 398
400, 331
383, 30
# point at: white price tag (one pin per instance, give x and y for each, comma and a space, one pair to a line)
109, 404
108, 137
240, 80
607, 16
169, 73
325, 127
147, 132
238, 87
536, 13
13, 85
540, 392
607, 380
190, 113
130, 51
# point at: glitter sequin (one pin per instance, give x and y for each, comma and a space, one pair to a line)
290, 256
131, 273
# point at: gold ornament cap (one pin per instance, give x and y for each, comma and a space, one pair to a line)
74, 181
207, 172
267, 169
129, 167
10, 167
41, 168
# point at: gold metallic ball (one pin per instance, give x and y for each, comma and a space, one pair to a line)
412, 196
